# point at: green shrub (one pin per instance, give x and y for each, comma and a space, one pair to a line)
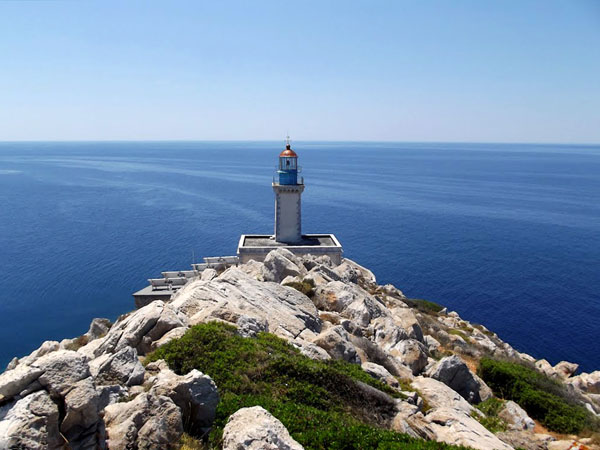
491, 407
544, 399
323, 404
424, 306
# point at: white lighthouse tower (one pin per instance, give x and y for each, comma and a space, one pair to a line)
288, 188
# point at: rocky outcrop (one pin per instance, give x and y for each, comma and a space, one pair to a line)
98, 328
350, 300
587, 382
12, 382
288, 313
281, 263
439, 395
194, 393
122, 368
336, 342
453, 427
61, 370
82, 419
380, 373
256, 429
525, 440
140, 328
411, 353
30, 423
455, 373
94, 392
565, 369
516, 417
147, 422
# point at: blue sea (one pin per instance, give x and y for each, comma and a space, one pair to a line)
507, 235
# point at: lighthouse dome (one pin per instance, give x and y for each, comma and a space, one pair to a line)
288, 153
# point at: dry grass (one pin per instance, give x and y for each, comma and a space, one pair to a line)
188, 442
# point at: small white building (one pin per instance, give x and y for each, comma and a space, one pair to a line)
288, 186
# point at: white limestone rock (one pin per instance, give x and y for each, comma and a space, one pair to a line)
565, 369
251, 326
387, 333
253, 269
209, 274
480, 339
146, 422
525, 440
44, 349
98, 328
457, 428
12, 382
61, 370
438, 395
234, 293
336, 342
380, 373
290, 279
411, 353
431, 343
455, 373
80, 423
364, 273
256, 429
311, 350
567, 444
405, 420
527, 358
281, 263
311, 261
169, 336
516, 417
587, 382
107, 395
350, 300
407, 320
544, 366
30, 423
89, 349
141, 328
122, 367
325, 271
347, 272
194, 393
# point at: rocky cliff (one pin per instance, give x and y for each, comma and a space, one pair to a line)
100, 391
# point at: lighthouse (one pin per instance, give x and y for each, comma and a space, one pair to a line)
288, 187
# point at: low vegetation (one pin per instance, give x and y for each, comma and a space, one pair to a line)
307, 287
324, 405
544, 399
425, 306
491, 407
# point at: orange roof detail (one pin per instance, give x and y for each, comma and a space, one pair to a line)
288, 153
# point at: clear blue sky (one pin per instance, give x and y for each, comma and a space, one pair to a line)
503, 71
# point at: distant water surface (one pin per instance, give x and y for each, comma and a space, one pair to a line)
507, 235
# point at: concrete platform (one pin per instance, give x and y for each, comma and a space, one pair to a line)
257, 246
147, 295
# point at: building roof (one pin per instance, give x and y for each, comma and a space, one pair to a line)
288, 152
